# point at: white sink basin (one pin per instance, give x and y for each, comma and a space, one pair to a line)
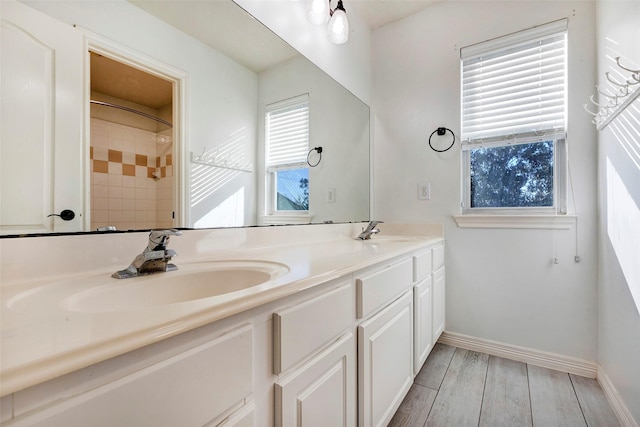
191, 282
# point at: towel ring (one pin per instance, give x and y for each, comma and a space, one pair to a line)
442, 131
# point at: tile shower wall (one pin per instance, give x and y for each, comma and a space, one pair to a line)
131, 178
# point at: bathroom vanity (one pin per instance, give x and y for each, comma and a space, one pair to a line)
331, 331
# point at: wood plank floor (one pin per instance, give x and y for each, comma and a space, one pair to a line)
460, 388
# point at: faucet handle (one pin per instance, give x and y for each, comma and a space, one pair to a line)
371, 229
159, 239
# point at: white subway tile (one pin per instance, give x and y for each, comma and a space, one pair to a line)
129, 157
128, 181
115, 204
129, 204
100, 179
100, 215
115, 192
100, 153
141, 193
115, 168
100, 203
99, 190
115, 180
128, 193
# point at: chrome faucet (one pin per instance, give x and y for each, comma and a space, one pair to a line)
154, 258
371, 229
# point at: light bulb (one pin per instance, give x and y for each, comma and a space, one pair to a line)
338, 31
318, 11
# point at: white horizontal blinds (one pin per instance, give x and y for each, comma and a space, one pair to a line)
514, 86
287, 133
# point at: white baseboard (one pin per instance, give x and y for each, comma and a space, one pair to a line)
618, 406
522, 354
546, 360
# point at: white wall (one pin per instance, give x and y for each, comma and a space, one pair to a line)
222, 95
339, 123
618, 34
501, 283
349, 63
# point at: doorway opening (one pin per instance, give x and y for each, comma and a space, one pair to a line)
134, 145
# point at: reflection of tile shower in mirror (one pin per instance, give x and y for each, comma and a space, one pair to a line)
131, 178
131, 148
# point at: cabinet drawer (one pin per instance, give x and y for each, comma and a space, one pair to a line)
189, 389
301, 330
379, 288
421, 265
438, 257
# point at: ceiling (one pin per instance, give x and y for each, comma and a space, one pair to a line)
377, 13
227, 28
115, 79
223, 25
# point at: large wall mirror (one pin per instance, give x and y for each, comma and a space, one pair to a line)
176, 108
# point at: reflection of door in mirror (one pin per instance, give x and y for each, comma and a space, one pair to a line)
41, 95
132, 146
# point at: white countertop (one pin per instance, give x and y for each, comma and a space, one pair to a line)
38, 345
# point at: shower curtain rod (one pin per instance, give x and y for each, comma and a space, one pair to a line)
131, 110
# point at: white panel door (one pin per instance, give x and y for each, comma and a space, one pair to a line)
438, 303
422, 327
41, 152
321, 392
385, 362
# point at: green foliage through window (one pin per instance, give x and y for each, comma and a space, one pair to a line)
512, 176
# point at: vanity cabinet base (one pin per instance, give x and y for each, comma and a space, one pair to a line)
385, 361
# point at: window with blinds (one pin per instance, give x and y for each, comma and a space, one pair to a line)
286, 149
514, 92
515, 86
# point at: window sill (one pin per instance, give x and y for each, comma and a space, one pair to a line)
548, 222
285, 219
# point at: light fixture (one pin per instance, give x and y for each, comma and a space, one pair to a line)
319, 12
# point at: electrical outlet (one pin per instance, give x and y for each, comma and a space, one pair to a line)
424, 191
331, 195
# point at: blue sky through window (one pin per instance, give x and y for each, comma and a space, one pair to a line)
291, 194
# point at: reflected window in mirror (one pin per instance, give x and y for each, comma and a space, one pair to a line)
286, 146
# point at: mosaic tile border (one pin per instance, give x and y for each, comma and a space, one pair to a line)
130, 164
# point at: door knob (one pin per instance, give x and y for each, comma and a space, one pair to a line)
66, 215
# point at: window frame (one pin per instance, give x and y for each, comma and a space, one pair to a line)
272, 192
556, 134
273, 214
559, 179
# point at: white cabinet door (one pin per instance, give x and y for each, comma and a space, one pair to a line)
422, 322
438, 303
243, 417
385, 362
41, 95
322, 392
